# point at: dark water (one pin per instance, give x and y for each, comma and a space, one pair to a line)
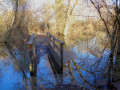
89, 67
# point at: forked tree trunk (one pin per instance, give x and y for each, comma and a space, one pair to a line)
69, 14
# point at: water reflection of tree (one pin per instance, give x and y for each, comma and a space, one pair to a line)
80, 70
3, 52
96, 48
16, 64
18, 32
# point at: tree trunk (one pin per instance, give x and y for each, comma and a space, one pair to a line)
46, 28
66, 27
60, 16
118, 50
66, 42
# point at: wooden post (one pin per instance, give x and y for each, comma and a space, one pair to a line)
61, 61
54, 44
61, 57
31, 50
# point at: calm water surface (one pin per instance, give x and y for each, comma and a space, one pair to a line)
88, 69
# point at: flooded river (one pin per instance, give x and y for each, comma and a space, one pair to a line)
88, 69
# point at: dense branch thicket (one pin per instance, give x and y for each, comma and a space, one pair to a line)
109, 13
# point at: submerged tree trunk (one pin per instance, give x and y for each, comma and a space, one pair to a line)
110, 73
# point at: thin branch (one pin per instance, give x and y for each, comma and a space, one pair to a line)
98, 9
73, 7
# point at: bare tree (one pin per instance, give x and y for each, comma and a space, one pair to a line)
63, 15
45, 14
111, 20
60, 16
109, 13
69, 12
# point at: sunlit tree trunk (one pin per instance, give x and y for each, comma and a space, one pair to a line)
66, 42
69, 13
66, 27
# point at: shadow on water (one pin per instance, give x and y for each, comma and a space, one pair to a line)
56, 69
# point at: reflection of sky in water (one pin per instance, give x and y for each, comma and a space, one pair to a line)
86, 52
45, 73
83, 52
12, 78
